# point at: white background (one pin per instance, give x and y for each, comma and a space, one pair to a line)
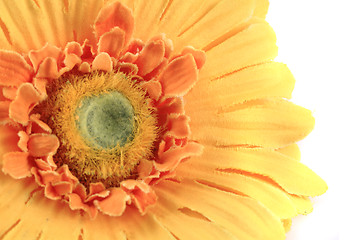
319, 41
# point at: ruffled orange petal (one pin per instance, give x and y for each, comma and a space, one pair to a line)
14, 69
169, 159
17, 164
48, 51
112, 42
48, 69
42, 144
114, 204
27, 97
23, 141
153, 88
150, 57
141, 193
115, 15
9, 92
102, 62
179, 76
178, 126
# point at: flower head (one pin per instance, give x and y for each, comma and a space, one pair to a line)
128, 117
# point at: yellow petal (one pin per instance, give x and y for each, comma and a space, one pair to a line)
290, 174
201, 30
272, 197
260, 81
261, 8
243, 217
253, 45
34, 215
266, 123
14, 196
287, 224
302, 203
181, 224
291, 150
147, 15
31, 24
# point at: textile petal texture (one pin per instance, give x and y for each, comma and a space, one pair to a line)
135, 119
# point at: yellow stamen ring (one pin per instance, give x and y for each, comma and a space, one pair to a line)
71, 102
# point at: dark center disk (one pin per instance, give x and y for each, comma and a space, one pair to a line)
106, 120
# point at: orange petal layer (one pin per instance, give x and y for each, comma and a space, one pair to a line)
27, 97
17, 164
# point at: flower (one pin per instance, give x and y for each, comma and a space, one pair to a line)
147, 120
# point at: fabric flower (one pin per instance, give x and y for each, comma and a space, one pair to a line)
147, 120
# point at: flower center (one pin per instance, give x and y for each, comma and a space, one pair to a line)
104, 123
106, 120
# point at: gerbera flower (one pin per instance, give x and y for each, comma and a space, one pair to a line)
147, 120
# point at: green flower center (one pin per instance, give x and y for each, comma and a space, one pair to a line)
106, 120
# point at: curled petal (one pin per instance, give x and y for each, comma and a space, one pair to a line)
141, 193
38, 126
179, 76
172, 157
42, 144
153, 89
48, 51
23, 141
115, 15
27, 97
198, 55
17, 164
102, 62
178, 126
48, 69
9, 92
112, 42
150, 57
114, 204
14, 69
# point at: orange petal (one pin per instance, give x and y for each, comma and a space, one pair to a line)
48, 69
13, 69
179, 76
102, 62
38, 126
40, 85
4, 111
17, 164
42, 144
153, 88
73, 48
8, 140
150, 57
179, 126
171, 158
9, 92
141, 193
27, 97
48, 51
62, 188
23, 141
112, 42
115, 204
49, 176
198, 55
115, 15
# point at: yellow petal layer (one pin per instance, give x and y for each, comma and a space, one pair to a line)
290, 174
31, 24
241, 216
253, 45
260, 81
266, 123
272, 197
181, 224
